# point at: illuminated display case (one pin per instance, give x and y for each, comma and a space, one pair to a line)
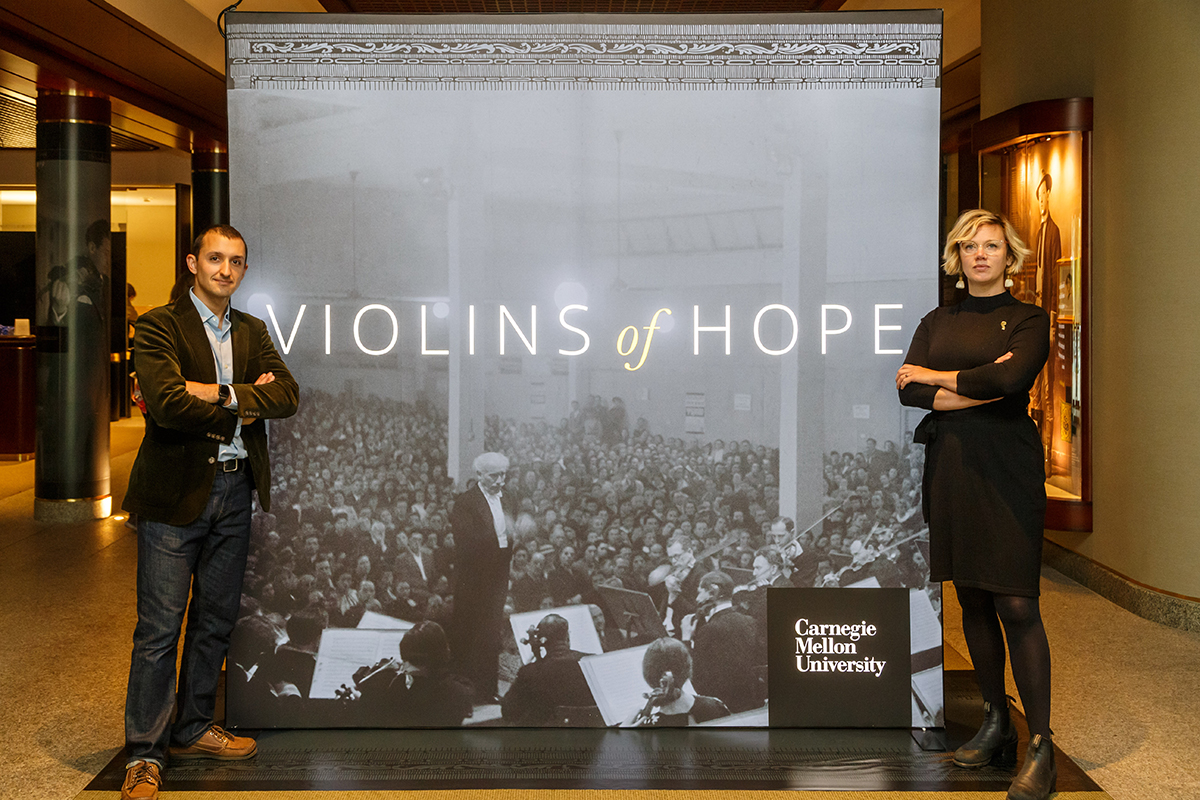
1035, 168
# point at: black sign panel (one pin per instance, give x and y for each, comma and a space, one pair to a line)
839, 658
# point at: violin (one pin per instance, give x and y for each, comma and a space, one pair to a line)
536, 642
791, 548
666, 692
363, 675
679, 571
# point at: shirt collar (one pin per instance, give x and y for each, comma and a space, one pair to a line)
721, 606
206, 314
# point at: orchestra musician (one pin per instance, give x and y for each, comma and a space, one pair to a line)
418, 691
667, 666
768, 568
674, 589
725, 646
552, 679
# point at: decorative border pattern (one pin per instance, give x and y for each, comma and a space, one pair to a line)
399, 54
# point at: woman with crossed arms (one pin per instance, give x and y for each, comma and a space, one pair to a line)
973, 365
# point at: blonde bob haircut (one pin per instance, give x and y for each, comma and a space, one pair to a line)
967, 226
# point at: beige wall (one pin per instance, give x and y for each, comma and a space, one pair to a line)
150, 253
1141, 64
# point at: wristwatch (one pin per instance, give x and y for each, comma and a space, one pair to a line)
222, 394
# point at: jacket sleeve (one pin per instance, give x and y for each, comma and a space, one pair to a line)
160, 377
919, 395
1029, 345
274, 400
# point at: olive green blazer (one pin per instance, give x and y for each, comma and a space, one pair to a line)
173, 474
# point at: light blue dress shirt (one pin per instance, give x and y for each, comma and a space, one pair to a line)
222, 347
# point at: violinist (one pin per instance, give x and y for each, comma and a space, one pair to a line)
666, 667
725, 646
768, 569
674, 588
800, 560
552, 679
419, 691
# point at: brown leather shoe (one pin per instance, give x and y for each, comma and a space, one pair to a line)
141, 781
217, 743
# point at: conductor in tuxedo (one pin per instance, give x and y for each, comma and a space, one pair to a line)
483, 545
209, 373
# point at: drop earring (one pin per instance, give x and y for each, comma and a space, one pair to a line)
960, 284
1008, 283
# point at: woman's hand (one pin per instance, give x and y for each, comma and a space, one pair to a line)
911, 373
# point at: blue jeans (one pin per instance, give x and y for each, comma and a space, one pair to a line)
207, 558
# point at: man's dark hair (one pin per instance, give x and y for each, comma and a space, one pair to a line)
97, 232
228, 231
304, 627
772, 555
554, 628
719, 585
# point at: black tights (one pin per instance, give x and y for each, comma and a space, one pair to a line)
983, 612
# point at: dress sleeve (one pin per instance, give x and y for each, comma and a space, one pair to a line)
1029, 345
919, 395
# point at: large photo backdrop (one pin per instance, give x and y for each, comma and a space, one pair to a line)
666, 266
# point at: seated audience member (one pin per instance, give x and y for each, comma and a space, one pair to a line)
411, 564
530, 590
568, 584
409, 605
551, 680
610, 637
666, 667
419, 691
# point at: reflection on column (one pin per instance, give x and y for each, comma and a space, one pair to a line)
74, 251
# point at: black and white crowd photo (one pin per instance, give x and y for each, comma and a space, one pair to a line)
586, 374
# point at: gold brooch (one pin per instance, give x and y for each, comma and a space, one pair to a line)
1003, 324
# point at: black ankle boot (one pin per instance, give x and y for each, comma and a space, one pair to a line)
996, 741
1038, 775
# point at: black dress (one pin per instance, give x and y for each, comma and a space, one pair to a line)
984, 490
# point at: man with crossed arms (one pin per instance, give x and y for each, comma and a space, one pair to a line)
207, 373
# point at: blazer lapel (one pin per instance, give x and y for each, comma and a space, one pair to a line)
196, 340
241, 346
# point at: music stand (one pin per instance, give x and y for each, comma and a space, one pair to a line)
634, 614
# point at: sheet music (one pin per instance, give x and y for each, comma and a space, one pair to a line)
617, 684
927, 691
373, 620
344, 650
923, 622
579, 623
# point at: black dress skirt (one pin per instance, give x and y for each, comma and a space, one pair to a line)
984, 486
